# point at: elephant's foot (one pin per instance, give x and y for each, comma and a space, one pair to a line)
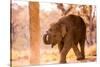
81, 58
63, 61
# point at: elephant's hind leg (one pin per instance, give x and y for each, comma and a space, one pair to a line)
77, 52
82, 47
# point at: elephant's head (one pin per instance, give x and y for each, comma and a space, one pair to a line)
54, 34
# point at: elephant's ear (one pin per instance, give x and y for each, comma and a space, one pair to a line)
63, 30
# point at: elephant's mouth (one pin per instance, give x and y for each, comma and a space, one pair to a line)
53, 45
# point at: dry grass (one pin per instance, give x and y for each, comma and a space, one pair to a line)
91, 51
52, 56
19, 58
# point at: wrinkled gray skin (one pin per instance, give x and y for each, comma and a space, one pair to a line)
67, 33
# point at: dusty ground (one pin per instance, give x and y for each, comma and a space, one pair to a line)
52, 56
21, 58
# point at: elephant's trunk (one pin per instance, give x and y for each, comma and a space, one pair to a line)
45, 39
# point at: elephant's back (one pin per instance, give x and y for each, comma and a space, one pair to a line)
72, 22
75, 25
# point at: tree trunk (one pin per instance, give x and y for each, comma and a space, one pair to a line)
34, 32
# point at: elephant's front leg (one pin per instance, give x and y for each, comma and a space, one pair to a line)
66, 47
64, 52
60, 46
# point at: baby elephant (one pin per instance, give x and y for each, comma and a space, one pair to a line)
67, 33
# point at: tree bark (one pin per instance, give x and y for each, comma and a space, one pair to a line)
34, 32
